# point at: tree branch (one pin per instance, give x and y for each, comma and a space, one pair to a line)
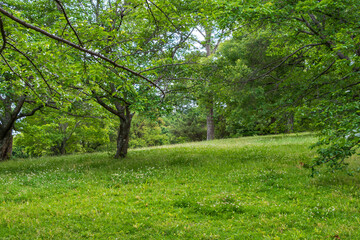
107, 107
168, 18
49, 105
71, 44
19, 76
3, 35
68, 21
167, 65
286, 58
14, 114
323, 72
21, 115
303, 31
318, 24
36, 68
152, 14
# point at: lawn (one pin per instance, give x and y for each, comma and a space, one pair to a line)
245, 188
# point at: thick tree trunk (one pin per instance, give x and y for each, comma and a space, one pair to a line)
10, 112
210, 123
122, 142
6, 144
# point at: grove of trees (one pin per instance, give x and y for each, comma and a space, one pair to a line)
97, 75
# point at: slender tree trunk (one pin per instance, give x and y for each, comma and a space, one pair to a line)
210, 123
122, 142
6, 144
290, 123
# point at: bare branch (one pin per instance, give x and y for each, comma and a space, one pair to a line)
222, 35
351, 85
310, 27
200, 31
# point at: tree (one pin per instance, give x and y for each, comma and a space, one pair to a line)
155, 48
115, 38
211, 35
321, 40
253, 106
18, 98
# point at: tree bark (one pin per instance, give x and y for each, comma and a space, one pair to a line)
6, 144
210, 123
122, 142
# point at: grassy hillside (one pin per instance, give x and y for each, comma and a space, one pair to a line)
247, 188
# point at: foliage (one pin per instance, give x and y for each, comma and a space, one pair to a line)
318, 44
261, 67
25, 85
248, 104
340, 136
186, 125
147, 132
253, 187
53, 133
119, 54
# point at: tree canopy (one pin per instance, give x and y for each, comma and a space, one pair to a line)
237, 67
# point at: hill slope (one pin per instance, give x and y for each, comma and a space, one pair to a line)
242, 188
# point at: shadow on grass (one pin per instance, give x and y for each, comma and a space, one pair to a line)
338, 178
223, 208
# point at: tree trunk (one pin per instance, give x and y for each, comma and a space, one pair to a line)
10, 112
210, 123
6, 143
210, 108
62, 148
290, 123
122, 142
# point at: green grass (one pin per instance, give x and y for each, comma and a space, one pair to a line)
247, 188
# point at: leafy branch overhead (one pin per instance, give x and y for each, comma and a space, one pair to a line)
92, 53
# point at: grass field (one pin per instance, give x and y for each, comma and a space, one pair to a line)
246, 188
